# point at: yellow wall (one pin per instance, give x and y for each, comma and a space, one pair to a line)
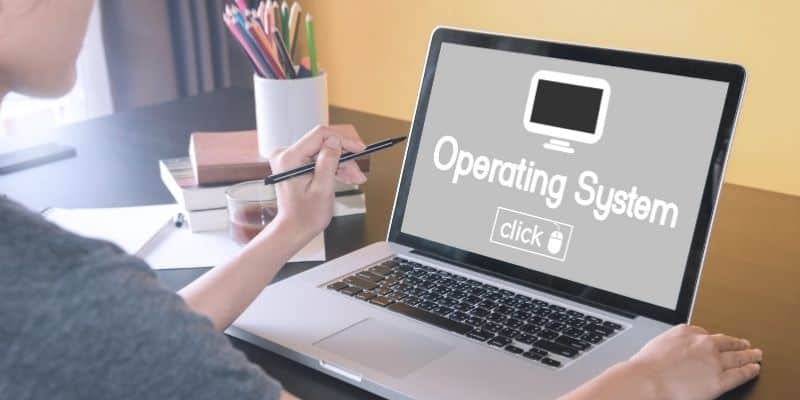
374, 51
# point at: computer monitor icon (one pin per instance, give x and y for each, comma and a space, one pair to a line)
566, 107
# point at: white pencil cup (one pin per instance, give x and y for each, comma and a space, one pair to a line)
288, 108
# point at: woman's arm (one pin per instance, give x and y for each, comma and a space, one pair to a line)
305, 207
684, 362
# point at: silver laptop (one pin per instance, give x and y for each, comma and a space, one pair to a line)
551, 218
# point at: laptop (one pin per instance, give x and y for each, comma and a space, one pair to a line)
551, 218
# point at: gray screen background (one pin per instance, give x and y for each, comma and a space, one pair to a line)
659, 136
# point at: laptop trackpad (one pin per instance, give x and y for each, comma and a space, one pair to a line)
384, 347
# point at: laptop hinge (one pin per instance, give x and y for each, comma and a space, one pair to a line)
542, 288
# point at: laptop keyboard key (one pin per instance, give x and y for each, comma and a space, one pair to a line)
555, 326
592, 338
533, 355
458, 316
430, 318
507, 332
370, 276
573, 332
492, 327
513, 323
404, 268
401, 287
432, 297
479, 312
470, 299
381, 301
572, 342
447, 302
361, 282
442, 310
350, 291
560, 316
500, 341
487, 304
530, 329
365, 295
427, 305
474, 321
541, 311
381, 270
598, 329
547, 334
383, 290
503, 309
550, 362
526, 338
523, 315
556, 348
396, 296
390, 282
496, 317
536, 320
574, 313
481, 335
337, 286
593, 320
612, 325
514, 349
526, 307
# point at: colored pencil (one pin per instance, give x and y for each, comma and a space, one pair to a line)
268, 34
283, 55
312, 45
258, 53
265, 45
233, 26
294, 26
285, 23
242, 4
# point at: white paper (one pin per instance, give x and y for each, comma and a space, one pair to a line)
180, 248
129, 227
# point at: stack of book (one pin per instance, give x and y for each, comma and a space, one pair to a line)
218, 160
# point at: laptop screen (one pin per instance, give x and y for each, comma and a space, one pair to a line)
582, 171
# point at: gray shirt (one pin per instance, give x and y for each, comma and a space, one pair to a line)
80, 319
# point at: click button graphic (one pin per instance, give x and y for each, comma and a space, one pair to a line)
531, 234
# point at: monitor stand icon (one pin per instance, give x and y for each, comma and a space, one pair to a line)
567, 108
559, 145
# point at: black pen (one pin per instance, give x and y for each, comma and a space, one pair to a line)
377, 146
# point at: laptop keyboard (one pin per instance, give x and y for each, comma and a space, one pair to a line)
520, 325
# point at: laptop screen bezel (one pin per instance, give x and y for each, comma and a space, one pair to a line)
732, 74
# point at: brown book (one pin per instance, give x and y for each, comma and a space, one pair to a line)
226, 157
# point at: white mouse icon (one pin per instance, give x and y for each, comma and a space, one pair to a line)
554, 244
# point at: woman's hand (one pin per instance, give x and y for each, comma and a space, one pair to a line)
305, 203
686, 362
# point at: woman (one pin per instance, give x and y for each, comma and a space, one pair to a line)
82, 320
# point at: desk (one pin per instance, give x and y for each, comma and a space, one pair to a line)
749, 285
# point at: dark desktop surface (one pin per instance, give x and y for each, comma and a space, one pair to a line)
748, 288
